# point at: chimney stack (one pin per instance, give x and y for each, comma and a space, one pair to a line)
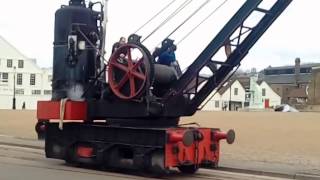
297, 70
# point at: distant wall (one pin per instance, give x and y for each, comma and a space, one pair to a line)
30, 101
314, 88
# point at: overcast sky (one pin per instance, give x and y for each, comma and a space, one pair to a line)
29, 26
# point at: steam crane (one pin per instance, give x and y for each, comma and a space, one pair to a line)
131, 120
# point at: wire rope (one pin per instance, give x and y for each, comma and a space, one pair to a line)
180, 8
153, 17
214, 11
189, 17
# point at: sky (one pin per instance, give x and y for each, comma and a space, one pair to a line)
28, 25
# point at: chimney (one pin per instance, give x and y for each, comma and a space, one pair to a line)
297, 70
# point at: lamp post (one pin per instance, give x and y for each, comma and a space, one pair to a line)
230, 95
14, 89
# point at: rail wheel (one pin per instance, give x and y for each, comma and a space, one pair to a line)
157, 164
41, 128
188, 169
130, 71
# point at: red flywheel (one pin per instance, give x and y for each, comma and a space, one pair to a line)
129, 71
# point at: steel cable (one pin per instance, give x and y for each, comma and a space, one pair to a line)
196, 27
157, 14
189, 17
180, 8
214, 11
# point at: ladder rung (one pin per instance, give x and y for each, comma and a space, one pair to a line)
221, 63
263, 10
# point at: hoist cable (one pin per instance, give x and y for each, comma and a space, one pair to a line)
152, 18
214, 11
181, 7
188, 18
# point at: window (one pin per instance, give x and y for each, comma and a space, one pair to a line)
4, 77
263, 92
47, 92
305, 70
50, 78
9, 63
36, 92
20, 91
235, 91
19, 79
20, 63
32, 79
216, 104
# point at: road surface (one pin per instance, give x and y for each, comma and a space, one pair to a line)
20, 163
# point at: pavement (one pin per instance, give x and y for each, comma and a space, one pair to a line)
21, 142
246, 167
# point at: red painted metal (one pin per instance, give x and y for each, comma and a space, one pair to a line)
133, 76
175, 136
229, 136
85, 152
49, 110
204, 150
220, 135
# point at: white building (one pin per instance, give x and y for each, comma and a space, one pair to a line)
220, 100
245, 93
32, 83
269, 97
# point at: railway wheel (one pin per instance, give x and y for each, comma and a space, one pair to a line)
188, 169
41, 129
130, 71
157, 166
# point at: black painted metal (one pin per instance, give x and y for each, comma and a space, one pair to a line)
74, 67
240, 51
135, 131
115, 147
213, 47
178, 98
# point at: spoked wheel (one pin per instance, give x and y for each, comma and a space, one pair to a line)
130, 71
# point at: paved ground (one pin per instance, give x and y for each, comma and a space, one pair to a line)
18, 163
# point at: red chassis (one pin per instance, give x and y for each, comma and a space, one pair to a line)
184, 147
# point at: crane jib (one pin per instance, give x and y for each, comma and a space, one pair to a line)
241, 49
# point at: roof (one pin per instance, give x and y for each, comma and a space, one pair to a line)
244, 81
286, 78
223, 89
306, 65
7, 50
298, 93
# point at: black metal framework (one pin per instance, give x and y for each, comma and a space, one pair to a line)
116, 147
245, 38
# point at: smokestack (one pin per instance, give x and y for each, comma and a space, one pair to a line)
297, 70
